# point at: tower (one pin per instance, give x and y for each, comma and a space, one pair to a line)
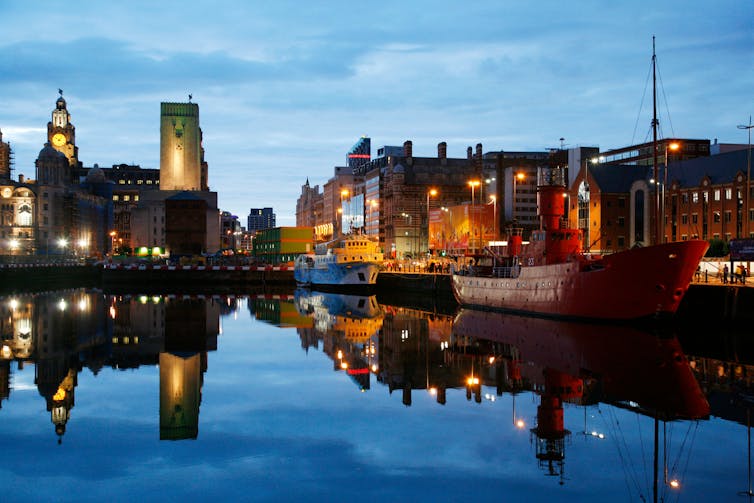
61, 134
5, 157
180, 147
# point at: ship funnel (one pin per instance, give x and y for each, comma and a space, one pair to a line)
551, 206
515, 241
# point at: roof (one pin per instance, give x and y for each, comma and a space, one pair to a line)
184, 196
613, 178
720, 168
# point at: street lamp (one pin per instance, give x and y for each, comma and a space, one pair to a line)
430, 193
748, 174
672, 146
493, 199
518, 177
473, 184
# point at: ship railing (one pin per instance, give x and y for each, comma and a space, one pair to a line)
506, 271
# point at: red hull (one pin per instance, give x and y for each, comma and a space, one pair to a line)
638, 283
631, 364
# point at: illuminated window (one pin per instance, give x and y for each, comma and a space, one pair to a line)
695, 197
23, 217
116, 197
717, 194
126, 197
728, 194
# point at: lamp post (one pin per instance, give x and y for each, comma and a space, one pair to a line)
473, 184
748, 175
430, 193
343, 194
494, 217
672, 146
517, 177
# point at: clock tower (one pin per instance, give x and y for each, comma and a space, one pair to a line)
61, 134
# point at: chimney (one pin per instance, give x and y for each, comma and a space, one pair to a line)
469, 153
408, 149
21, 178
442, 150
479, 150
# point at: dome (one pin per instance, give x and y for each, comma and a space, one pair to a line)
49, 154
96, 175
60, 103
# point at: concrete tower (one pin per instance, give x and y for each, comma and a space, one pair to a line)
180, 147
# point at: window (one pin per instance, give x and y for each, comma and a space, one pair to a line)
685, 197
23, 217
149, 182
126, 197
621, 222
728, 193
116, 197
716, 217
139, 182
694, 218
728, 216
622, 202
705, 196
621, 241
717, 194
684, 218
122, 181
695, 197
136, 197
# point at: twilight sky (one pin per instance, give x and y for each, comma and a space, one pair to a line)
285, 88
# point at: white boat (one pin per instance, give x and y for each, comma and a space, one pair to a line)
350, 261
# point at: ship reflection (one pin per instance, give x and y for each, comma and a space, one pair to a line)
583, 364
61, 333
348, 326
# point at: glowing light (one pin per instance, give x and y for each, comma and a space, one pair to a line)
13, 244
143, 299
340, 354
343, 365
374, 368
6, 352
492, 360
59, 395
112, 312
82, 305
62, 242
62, 305
432, 391
520, 424
13, 303
472, 381
675, 484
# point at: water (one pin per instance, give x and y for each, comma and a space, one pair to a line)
324, 397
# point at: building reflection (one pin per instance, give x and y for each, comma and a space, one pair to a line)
60, 333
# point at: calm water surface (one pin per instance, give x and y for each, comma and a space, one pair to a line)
322, 397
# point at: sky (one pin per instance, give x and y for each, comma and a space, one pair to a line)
285, 88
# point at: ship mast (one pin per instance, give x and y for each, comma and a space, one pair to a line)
655, 173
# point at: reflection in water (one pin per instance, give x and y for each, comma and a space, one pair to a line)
61, 332
482, 355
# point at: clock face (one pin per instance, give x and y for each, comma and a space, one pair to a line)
58, 139
7, 192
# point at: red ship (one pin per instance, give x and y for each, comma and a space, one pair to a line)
552, 276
